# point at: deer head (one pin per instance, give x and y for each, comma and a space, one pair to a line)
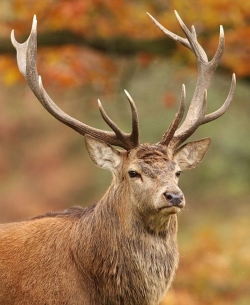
149, 172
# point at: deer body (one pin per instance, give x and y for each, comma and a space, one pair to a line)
48, 255
36, 256
122, 250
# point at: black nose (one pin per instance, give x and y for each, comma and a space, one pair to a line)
175, 199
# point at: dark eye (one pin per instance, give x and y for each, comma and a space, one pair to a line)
177, 174
133, 174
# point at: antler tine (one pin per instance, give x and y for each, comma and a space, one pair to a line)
135, 120
193, 45
108, 120
134, 135
206, 71
26, 60
220, 49
219, 112
177, 140
167, 137
170, 34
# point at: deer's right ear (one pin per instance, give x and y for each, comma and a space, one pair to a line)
102, 154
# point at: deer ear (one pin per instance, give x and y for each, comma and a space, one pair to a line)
102, 154
190, 155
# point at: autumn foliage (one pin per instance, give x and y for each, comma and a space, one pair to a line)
125, 21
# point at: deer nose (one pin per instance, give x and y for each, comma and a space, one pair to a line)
176, 199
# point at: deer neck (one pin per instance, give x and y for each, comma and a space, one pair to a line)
115, 240
114, 220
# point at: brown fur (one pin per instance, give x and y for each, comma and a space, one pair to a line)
120, 251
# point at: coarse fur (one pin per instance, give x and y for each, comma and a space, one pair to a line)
120, 251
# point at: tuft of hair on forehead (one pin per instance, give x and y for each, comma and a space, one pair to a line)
152, 153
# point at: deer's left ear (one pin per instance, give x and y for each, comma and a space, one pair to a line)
190, 155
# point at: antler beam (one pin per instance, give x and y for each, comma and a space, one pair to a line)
26, 59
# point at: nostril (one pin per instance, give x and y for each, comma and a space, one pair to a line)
169, 196
174, 199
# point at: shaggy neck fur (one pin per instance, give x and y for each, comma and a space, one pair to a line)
131, 256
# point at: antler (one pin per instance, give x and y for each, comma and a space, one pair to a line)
195, 117
26, 60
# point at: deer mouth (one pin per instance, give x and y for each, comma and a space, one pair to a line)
170, 209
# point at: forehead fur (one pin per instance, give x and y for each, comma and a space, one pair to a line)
152, 153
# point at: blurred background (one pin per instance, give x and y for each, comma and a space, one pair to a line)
90, 49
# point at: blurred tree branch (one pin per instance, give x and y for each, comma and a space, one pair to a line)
115, 45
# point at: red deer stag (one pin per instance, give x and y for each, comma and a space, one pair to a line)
123, 249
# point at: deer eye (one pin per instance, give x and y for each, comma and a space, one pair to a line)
133, 174
177, 174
